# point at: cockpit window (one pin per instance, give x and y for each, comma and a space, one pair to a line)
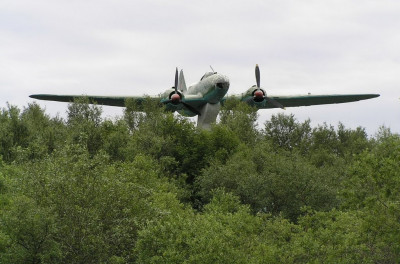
207, 74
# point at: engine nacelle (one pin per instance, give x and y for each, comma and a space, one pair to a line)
167, 93
258, 94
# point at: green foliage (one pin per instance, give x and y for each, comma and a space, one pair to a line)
375, 177
331, 237
115, 137
271, 182
285, 132
45, 134
222, 234
29, 227
149, 187
99, 206
13, 132
83, 123
241, 119
372, 186
29, 135
94, 208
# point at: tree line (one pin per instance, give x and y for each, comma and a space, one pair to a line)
149, 187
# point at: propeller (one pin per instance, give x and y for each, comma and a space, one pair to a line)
175, 97
259, 95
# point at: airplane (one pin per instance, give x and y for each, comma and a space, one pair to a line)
205, 97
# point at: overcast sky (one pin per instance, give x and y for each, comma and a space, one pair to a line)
128, 47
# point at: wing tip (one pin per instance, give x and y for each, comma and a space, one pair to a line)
42, 96
370, 96
35, 96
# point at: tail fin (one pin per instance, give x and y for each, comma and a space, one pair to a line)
182, 83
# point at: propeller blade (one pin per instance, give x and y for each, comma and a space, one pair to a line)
176, 80
258, 76
191, 108
274, 102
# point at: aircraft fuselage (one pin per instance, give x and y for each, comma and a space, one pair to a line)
212, 87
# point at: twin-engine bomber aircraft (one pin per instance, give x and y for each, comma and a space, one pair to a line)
205, 97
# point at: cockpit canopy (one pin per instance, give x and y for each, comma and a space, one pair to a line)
207, 74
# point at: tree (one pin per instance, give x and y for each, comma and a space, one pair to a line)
286, 132
83, 122
13, 132
83, 209
372, 186
241, 119
271, 182
224, 233
149, 187
30, 228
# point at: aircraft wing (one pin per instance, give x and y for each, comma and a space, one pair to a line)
306, 100
101, 100
192, 103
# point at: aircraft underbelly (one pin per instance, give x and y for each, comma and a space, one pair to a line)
209, 114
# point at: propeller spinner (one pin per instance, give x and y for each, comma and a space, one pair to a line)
259, 94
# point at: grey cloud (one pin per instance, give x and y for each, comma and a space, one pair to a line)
133, 47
